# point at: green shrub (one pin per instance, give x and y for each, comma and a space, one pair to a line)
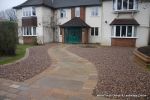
8, 37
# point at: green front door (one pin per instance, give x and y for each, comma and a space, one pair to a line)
73, 35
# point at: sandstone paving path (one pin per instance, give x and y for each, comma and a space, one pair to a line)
70, 77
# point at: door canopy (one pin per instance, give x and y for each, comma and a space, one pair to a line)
75, 22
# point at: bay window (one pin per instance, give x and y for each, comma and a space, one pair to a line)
124, 31
29, 11
29, 31
125, 5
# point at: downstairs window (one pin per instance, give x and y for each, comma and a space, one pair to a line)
94, 31
124, 31
29, 31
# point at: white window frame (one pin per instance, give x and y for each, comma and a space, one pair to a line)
115, 6
94, 11
77, 11
63, 12
114, 35
24, 31
94, 31
28, 11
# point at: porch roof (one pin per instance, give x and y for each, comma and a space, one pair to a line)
75, 22
124, 22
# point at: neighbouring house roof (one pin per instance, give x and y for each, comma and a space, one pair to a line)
59, 3
27, 3
124, 22
75, 22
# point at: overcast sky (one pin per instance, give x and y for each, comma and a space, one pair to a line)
6, 4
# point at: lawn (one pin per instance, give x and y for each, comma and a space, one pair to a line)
20, 52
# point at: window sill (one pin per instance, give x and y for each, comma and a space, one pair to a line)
95, 16
63, 17
29, 35
125, 11
125, 37
28, 16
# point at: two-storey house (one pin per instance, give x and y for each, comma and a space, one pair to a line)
108, 22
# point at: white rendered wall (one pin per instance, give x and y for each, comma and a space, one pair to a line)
44, 31
143, 17
62, 21
93, 21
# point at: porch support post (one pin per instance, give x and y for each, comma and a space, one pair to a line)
84, 35
63, 33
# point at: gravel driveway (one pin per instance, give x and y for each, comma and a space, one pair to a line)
36, 62
117, 72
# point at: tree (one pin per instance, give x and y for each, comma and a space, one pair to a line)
9, 14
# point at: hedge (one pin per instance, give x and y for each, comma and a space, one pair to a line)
8, 37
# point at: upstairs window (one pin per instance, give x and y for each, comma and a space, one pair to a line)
94, 31
77, 12
94, 11
123, 31
29, 11
62, 13
124, 5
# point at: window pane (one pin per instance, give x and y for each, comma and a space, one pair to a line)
77, 12
29, 13
24, 13
114, 4
129, 34
34, 30
92, 11
33, 11
119, 5
25, 30
123, 34
125, 4
96, 11
62, 13
92, 31
131, 2
96, 31
28, 30
117, 30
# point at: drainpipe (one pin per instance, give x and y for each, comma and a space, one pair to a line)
149, 30
101, 1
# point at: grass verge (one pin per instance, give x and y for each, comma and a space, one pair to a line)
20, 53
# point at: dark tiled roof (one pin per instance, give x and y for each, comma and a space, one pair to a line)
75, 22
73, 3
59, 3
124, 22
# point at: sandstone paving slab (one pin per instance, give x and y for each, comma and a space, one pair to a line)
51, 82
